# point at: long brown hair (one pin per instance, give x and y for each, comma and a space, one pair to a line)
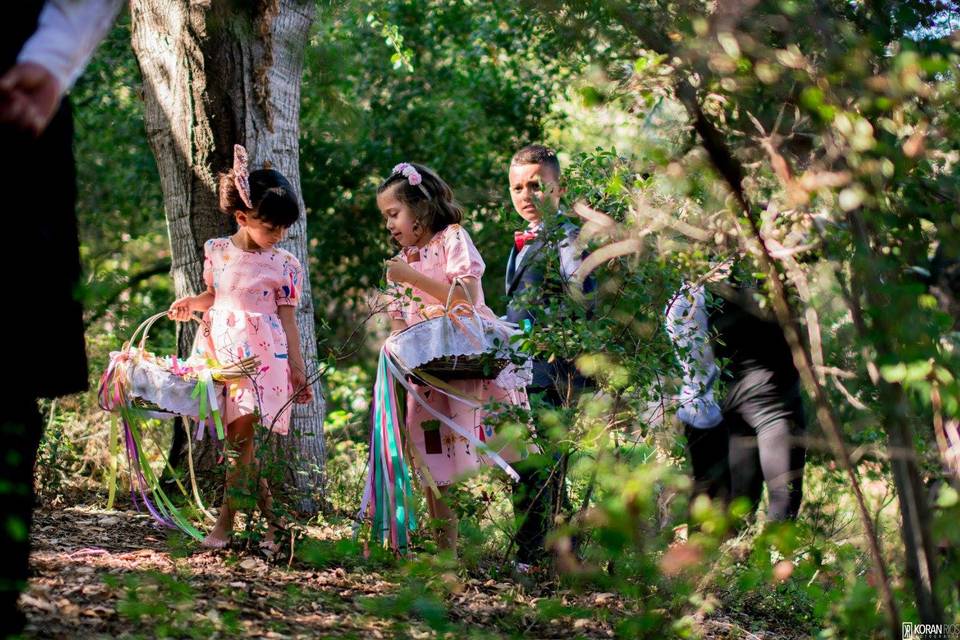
433, 206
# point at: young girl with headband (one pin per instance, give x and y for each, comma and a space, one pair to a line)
422, 216
253, 288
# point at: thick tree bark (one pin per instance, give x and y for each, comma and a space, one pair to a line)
216, 73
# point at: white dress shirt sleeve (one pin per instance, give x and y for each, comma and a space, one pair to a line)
570, 254
687, 326
67, 34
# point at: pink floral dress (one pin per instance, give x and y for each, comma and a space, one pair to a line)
250, 286
449, 457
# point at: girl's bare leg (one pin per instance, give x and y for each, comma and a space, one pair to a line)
240, 441
446, 533
265, 502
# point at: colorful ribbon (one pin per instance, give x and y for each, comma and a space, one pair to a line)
113, 396
145, 482
387, 497
388, 493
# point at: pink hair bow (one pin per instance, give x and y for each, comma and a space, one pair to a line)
409, 172
241, 174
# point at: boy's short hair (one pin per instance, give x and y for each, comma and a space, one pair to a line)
537, 154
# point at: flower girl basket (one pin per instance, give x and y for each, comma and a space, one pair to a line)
457, 343
454, 343
139, 386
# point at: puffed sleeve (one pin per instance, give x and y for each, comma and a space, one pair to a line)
462, 258
288, 293
208, 250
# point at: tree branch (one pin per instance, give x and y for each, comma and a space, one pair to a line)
133, 281
732, 173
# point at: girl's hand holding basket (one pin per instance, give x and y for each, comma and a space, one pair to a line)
182, 310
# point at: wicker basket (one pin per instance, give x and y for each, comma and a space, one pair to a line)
161, 387
464, 367
486, 365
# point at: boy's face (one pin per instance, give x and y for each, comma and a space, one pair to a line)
534, 189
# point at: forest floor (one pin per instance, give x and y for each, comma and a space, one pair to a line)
114, 574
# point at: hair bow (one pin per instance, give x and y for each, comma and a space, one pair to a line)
241, 174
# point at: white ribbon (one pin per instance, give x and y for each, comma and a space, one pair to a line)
213, 401
471, 438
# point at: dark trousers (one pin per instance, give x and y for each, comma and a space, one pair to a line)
20, 429
766, 426
40, 170
769, 454
536, 492
760, 440
707, 450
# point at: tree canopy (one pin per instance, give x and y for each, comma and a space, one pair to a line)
813, 144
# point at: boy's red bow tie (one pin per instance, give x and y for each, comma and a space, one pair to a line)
520, 238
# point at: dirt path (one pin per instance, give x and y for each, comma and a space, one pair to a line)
99, 574
114, 574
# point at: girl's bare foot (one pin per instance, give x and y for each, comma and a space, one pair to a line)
213, 541
272, 539
219, 536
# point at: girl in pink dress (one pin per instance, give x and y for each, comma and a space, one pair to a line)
421, 214
253, 288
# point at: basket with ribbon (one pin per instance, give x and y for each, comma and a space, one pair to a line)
456, 342
138, 386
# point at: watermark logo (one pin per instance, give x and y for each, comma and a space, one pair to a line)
921, 631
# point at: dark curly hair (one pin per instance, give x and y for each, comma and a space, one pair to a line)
433, 205
274, 198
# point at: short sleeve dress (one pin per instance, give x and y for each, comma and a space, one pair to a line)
449, 457
250, 287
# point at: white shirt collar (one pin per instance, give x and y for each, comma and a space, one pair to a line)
536, 226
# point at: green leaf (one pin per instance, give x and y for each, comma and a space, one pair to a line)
948, 497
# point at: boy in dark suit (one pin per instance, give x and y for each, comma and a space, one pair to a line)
542, 262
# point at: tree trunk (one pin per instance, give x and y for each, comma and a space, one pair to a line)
216, 73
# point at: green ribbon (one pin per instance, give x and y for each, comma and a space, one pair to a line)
203, 391
162, 502
114, 445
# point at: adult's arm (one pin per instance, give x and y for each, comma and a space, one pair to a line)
688, 327
68, 32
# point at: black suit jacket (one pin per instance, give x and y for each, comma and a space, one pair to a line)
528, 276
42, 263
